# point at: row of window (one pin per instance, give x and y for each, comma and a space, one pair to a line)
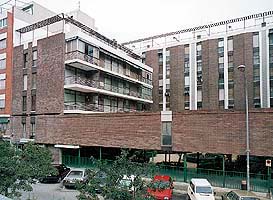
74, 100
34, 59
109, 62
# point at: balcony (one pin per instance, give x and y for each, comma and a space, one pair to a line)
86, 62
86, 85
78, 107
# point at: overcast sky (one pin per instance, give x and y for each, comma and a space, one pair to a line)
126, 20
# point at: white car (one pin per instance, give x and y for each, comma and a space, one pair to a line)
200, 189
127, 183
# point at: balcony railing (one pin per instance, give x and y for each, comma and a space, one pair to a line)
87, 58
97, 107
79, 55
101, 85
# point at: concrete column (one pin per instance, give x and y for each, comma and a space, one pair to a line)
193, 77
226, 71
264, 68
164, 78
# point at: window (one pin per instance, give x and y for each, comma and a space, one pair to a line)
127, 70
166, 133
3, 43
221, 42
168, 66
255, 40
71, 46
33, 102
107, 63
2, 81
221, 94
24, 129
32, 127
120, 68
25, 60
3, 23
168, 55
33, 82
34, 58
25, 82
24, 103
230, 44
115, 66
81, 46
28, 9
3, 63
187, 81
221, 60
2, 100
199, 95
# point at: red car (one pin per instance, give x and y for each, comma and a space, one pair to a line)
161, 187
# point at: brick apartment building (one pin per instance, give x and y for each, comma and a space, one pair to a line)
196, 68
12, 16
78, 91
73, 72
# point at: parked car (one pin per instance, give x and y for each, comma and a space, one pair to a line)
161, 187
62, 171
200, 189
74, 176
239, 195
127, 183
101, 178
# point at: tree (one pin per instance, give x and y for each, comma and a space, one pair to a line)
20, 168
110, 186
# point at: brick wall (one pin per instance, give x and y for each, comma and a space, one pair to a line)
177, 78
50, 74
210, 74
203, 131
17, 86
136, 130
152, 61
243, 54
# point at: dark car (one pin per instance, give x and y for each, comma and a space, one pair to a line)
62, 171
240, 195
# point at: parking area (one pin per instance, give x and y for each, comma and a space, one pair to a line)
57, 192
49, 192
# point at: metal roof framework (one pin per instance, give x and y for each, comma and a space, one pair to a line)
197, 28
67, 19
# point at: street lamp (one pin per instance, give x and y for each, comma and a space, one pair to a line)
242, 68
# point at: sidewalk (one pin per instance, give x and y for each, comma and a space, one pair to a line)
181, 188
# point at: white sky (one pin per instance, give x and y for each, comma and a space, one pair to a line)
126, 20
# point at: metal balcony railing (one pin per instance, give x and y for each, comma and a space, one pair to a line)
102, 85
97, 107
82, 56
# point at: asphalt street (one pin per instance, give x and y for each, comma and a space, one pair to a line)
56, 192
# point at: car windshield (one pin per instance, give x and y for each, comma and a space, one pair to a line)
125, 182
249, 198
205, 190
161, 184
75, 174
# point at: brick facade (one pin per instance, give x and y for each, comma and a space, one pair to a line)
210, 75
152, 61
203, 131
177, 78
243, 55
50, 74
